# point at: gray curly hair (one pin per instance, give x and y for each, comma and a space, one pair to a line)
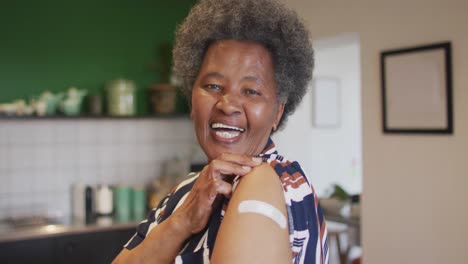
267, 22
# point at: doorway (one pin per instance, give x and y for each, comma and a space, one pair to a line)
325, 132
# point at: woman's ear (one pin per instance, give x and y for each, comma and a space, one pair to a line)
279, 114
190, 102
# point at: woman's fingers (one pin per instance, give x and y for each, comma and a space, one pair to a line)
222, 170
223, 188
213, 181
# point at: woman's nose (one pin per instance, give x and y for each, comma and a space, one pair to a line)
229, 104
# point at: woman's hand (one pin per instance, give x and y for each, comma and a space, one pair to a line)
214, 180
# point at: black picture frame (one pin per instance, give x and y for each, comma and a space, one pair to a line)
417, 89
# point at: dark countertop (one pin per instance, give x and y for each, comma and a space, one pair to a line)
10, 233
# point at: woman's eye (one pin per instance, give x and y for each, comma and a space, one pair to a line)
212, 86
252, 92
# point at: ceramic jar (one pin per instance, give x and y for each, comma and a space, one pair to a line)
163, 98
121, 99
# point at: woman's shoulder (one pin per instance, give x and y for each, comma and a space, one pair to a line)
263, 175
256, 210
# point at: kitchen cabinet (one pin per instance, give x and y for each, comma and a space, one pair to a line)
90, 247
29, 251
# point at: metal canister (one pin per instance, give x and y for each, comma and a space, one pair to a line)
121, 99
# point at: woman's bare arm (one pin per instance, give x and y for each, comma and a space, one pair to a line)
253, 237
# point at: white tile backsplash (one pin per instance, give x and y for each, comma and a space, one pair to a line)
44, 131
108, 154
86, 155
145, 131
87, 132
66, 132
108, 174
44, 180
3, 135
126, 133
5, 177
21, 157
107, 131
88, 175
45, 155
66, 155
4, 156
21, 181
4, 201
19, 133
41, 159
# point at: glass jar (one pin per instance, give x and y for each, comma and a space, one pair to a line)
121, 99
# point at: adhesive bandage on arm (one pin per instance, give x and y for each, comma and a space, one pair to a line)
265, 209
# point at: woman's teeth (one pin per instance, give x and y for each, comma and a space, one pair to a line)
220, 125
226, 134
225, 131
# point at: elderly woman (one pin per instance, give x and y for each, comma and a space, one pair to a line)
246, 65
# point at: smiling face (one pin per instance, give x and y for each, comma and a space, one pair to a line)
234, 99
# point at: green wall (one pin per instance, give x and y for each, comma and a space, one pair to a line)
52, 45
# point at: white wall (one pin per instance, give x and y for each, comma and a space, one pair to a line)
330, 154
414, 186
